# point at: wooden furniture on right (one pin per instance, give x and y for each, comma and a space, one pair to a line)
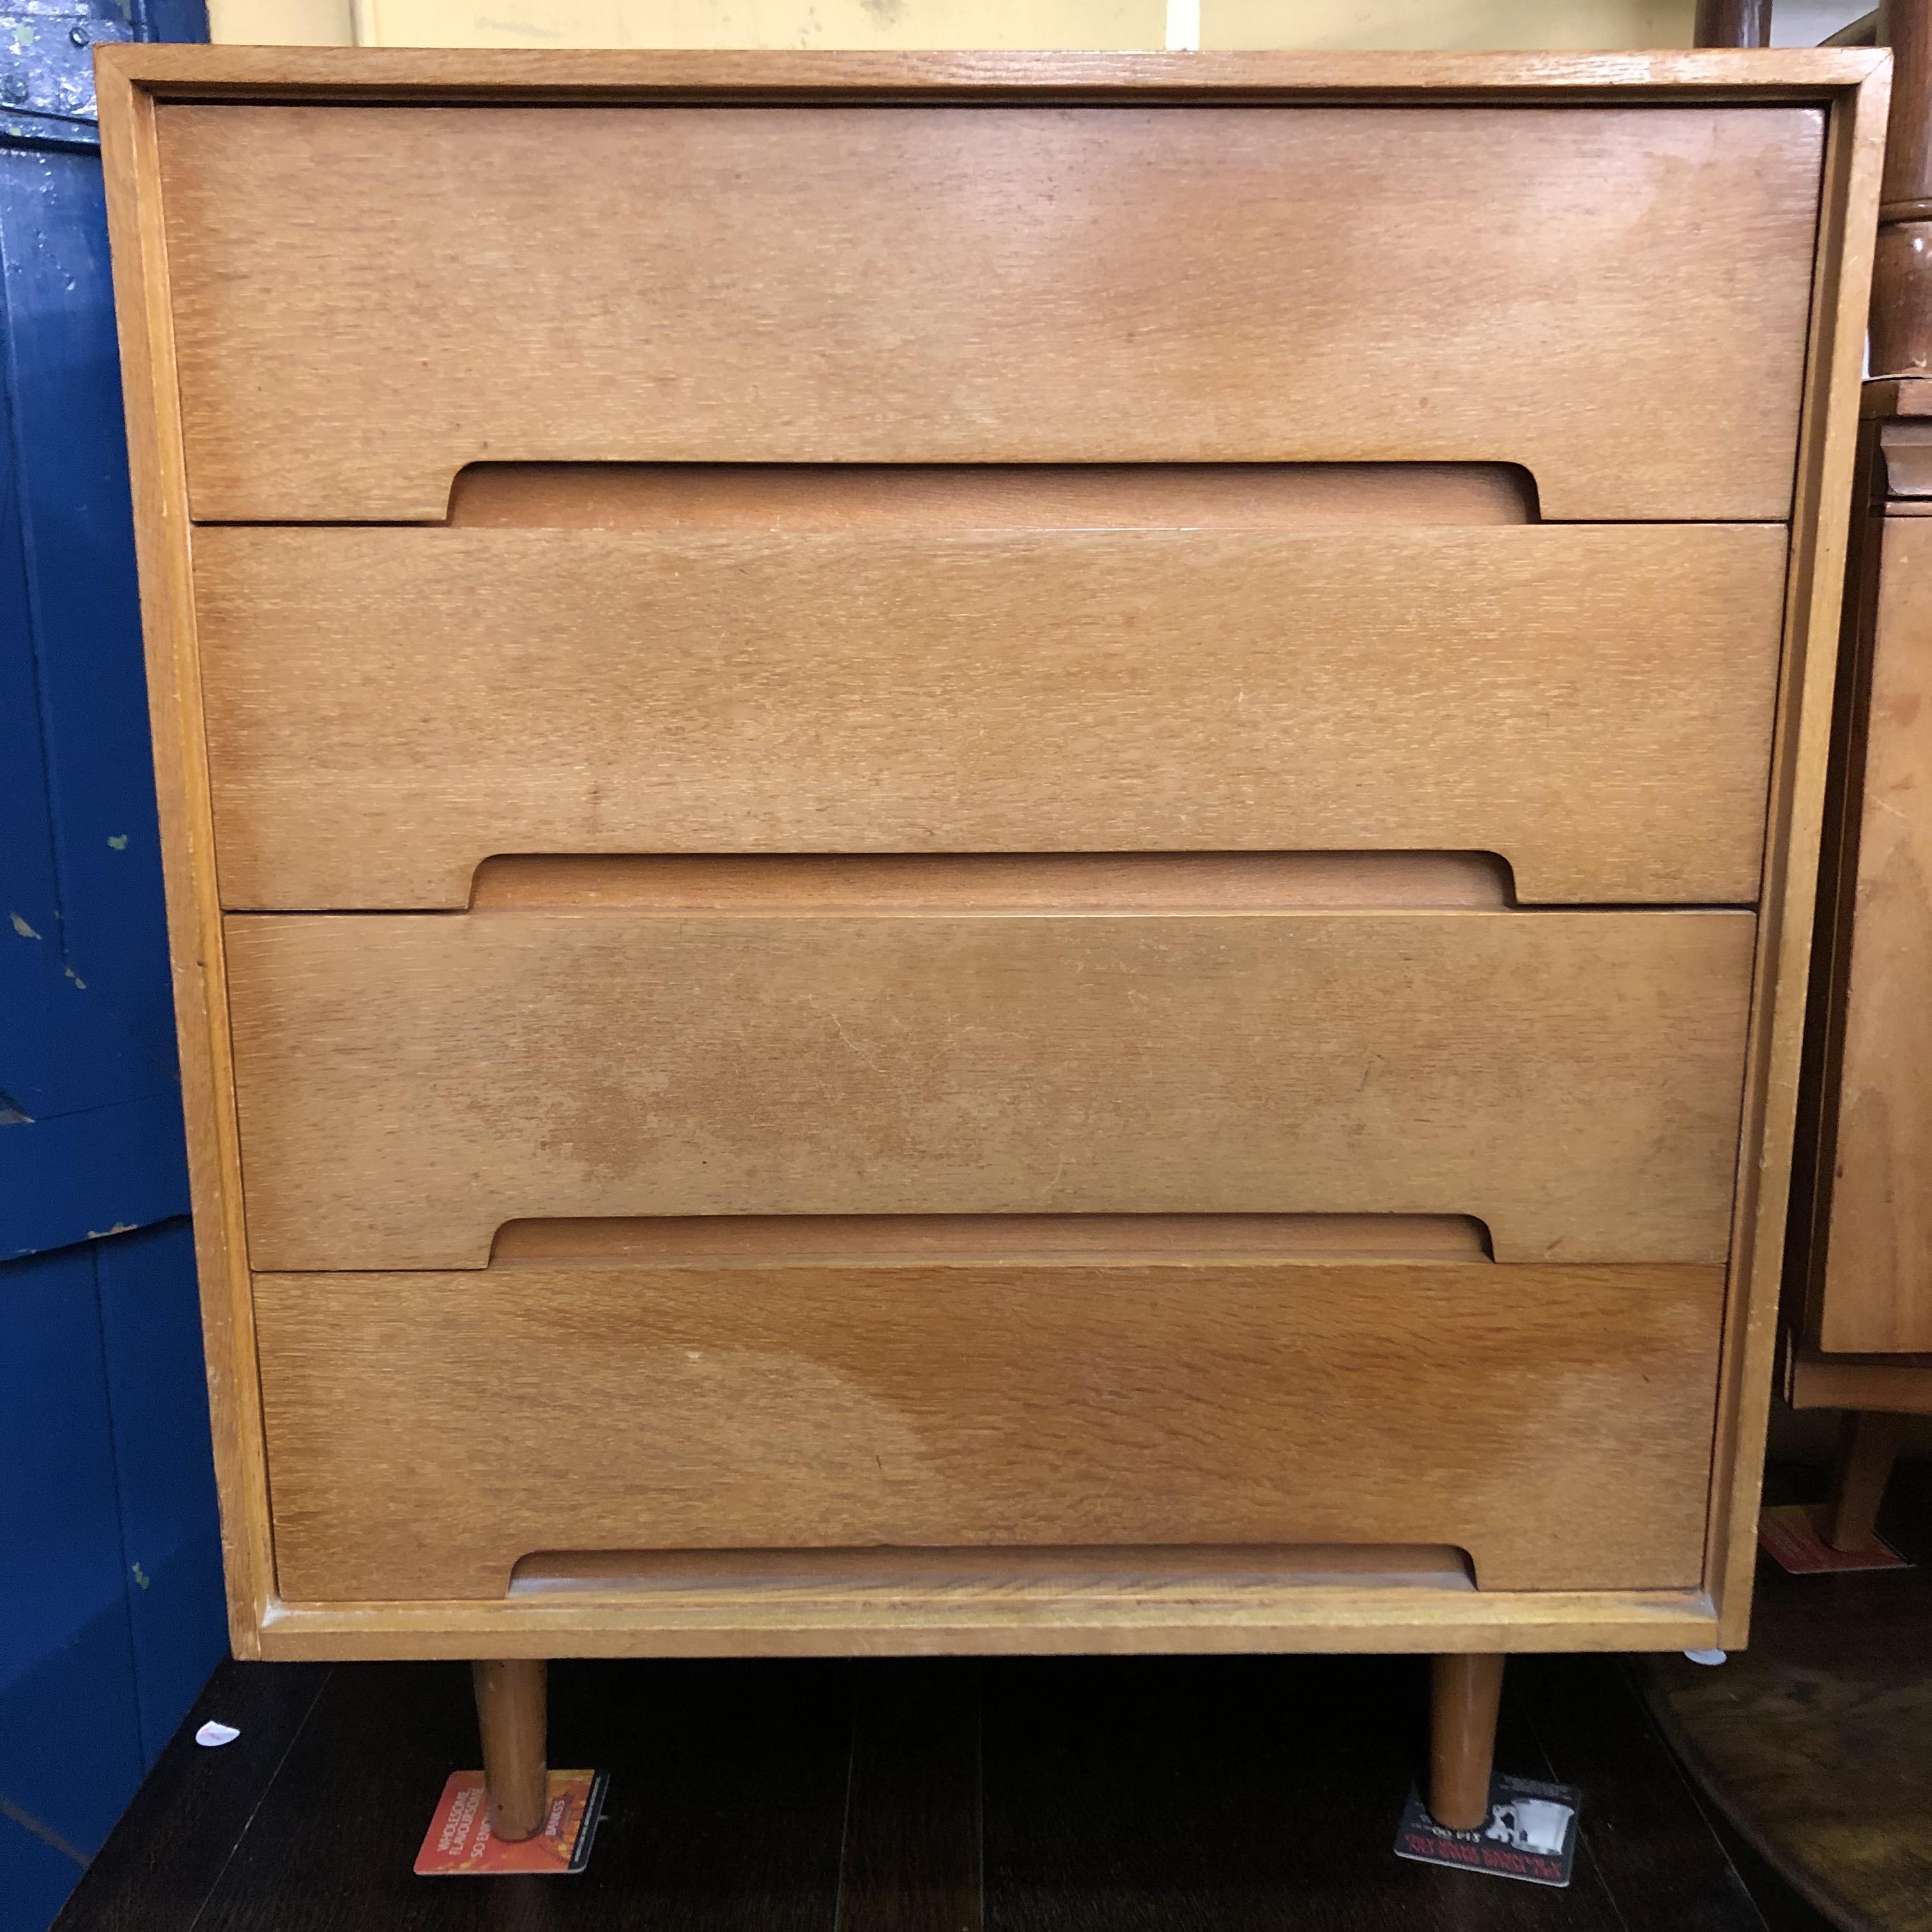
1858, 1334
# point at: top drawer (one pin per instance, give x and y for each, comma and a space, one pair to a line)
366, 298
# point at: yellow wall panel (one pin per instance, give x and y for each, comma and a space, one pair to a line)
991, 23
1446, 23
761, 23
281, 23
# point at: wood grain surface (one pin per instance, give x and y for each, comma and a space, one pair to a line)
408, 1084
901, 883
705, 1239
426, 1431
1877, 1289
406, 288
1181, 315
1030, 1618
1801, 757
387, 708
1179, 1572
158, 481
1901, 322
569, 76
709, 497
1899, 1383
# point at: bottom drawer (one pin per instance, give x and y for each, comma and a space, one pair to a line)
427, 1432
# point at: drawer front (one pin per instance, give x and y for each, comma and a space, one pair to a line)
366, 298
428, 1433
408, 1084
386, 709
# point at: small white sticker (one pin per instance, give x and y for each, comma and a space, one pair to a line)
211, 1734
1705, 1656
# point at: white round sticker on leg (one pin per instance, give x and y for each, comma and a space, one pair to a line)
1705, 1656
211, 1733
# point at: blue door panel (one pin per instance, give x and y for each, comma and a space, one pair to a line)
82, 1175
170, 1530
35, 1878
70, 1728
29, 897
111, 1612
77, 526
91, 1137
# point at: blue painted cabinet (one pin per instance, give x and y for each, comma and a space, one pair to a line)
111, 1612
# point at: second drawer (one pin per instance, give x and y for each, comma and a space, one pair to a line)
386, 708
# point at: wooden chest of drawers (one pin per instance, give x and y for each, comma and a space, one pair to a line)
989, 854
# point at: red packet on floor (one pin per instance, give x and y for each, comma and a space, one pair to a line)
1790, 1533
459, 1842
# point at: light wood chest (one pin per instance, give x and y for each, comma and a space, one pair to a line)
1000, 853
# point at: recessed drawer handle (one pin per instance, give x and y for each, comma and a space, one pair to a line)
929, 499
1191, 1570
726, 1241
1042, 882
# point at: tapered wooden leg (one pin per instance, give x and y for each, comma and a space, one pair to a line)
1866, 1449
1463, 1739
510, 1712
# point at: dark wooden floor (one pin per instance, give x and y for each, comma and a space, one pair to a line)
1130, 1795
1817, 1742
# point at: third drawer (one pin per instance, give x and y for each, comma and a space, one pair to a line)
407, 1084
